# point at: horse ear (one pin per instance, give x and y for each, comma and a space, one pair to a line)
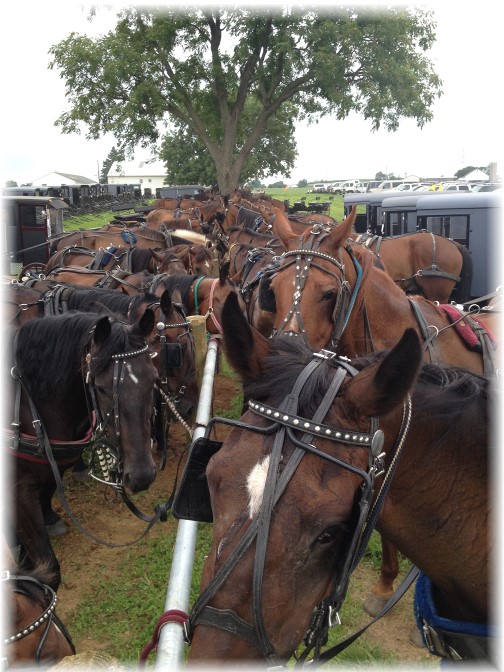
340, 234
145, 324
155, 255
244, 346
102, 330
166, 302
381, 387
224, 272
282, 228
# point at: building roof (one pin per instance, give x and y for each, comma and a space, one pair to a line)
80, 179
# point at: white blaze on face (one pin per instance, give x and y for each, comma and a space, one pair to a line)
255, 485
131, 374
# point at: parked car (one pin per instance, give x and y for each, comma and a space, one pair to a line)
319, 187
371, 186
386, 185
335, 188
488, 186
455, 186
352, 187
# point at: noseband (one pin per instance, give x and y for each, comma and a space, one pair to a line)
285, 424
48, 617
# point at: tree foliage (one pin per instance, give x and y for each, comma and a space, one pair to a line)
227, 85
113, 156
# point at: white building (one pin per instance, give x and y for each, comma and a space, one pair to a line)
56, 178
150, 175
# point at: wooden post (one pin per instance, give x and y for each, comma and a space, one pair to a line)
198, 327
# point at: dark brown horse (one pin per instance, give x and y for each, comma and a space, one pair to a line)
74, 378
333, 296
35, 635
424, 263
303, 477
123, 281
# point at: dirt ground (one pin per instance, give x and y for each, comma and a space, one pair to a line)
82, 560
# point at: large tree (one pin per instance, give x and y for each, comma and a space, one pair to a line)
231, 82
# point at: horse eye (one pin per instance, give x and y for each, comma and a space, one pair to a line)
328, 296
330, 534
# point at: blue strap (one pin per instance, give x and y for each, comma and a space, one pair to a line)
358, 270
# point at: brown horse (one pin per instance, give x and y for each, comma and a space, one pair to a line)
110, 236
195, 259
424, 263
333, 295
35, 635
21, 303
129, 283
130, 259
200, 295
293, 494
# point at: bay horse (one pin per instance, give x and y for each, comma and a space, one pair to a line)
35, 635
128, 283
424, 263
200, 295
130, 259
114, 236
333, 295
74, 380
304, 476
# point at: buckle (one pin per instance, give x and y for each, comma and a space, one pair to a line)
325, 354
5, 576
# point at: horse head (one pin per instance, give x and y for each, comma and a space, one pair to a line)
288, 506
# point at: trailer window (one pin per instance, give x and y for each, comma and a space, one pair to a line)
450, 226
32, 215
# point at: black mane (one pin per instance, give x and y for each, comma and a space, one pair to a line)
182, 283
49, 350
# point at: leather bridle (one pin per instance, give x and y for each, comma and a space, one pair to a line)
46, 619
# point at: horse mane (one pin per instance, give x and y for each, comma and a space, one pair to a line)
182, 283
100, 299
49, 350
140, 257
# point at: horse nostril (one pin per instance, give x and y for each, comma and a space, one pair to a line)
141, 480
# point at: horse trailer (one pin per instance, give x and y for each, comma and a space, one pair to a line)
29, 222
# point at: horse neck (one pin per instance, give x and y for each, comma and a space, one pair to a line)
382, 306
426, 513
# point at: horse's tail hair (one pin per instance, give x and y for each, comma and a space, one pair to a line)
462, 290
190, 236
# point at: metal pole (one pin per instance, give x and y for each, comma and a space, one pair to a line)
171, 645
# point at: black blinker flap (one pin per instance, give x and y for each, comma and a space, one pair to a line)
192, 499
266, 296
173, 355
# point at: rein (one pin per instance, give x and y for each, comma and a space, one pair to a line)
285, 423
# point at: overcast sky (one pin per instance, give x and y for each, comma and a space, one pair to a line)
465, 130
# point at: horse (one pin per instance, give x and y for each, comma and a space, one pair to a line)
36, 635
195, 258
21, 303
171, 343
200, 295
128, 283
130, 259
304, 476
113, 236
424, 263
75, 380
334, 296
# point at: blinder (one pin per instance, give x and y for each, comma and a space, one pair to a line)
192, 500
266, 295
172, 354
